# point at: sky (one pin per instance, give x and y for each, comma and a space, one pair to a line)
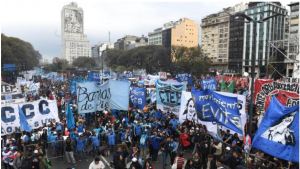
39, 21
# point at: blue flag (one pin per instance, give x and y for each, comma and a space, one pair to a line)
70, 117
185, 77
138, 97
214, 107
93, 76
23, 121
210, 84
278, 133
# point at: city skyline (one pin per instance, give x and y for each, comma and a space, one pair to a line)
120, 18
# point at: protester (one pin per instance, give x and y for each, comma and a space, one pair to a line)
143, 138
97, 164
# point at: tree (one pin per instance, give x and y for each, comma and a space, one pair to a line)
19, 52
151, 58
57, 65
84, 62
190, 60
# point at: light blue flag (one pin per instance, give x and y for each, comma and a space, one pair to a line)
119, 94
23, 121
70, 117
278, 133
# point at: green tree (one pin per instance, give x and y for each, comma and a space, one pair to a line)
151, 58
19, 52
190, 60
84, 62
57, 65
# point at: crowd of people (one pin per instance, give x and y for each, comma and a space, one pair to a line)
136, 139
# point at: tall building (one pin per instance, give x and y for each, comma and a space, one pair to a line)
235, 50
183, 32
129, 42
98, 51
293, 41
270, 30
74, 42
220, 38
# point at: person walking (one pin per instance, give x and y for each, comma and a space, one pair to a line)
70, 151
97, 164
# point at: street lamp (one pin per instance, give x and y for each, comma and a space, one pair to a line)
239, 16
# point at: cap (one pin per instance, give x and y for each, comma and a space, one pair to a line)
35, 151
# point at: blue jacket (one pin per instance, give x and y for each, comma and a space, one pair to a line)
111, 139
155, 142
174, 123
122, 136
80, 144
58, 127
80, 128
138, 130
95, 140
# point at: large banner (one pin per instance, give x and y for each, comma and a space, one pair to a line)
92, 97
286, 93
278, 133
168, 95
187, 111
119, 94
215, 107
37, 113
210, 84
138, 97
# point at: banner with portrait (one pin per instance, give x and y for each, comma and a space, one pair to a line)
188, 112
168, 95
37, 113
264, 89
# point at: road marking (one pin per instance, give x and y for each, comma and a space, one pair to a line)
105, 161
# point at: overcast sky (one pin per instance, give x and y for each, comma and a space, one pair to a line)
39, 21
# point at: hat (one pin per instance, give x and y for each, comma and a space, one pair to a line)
228, 148
35, 151
134, 159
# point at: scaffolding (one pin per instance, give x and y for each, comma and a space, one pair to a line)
289, 49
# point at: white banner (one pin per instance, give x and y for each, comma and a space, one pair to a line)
92, 97
37, 114
12, 98
187, 111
